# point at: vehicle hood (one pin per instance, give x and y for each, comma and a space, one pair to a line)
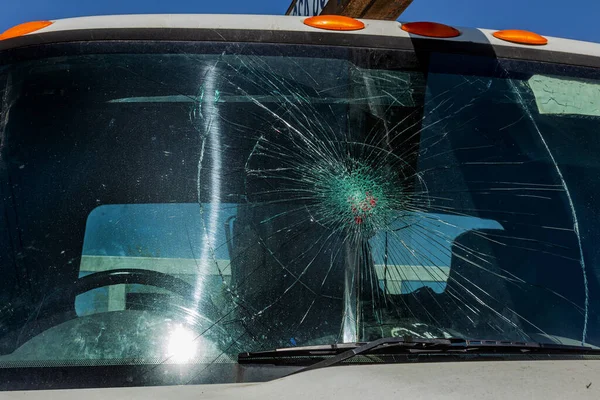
482, 380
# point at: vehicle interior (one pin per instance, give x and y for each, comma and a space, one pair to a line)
234, 200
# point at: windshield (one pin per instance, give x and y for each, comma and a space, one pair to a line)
169, 206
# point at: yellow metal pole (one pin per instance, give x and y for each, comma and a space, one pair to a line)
371, 9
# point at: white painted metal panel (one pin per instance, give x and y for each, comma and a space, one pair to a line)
295, 24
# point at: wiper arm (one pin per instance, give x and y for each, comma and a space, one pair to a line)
331, 349
366, 348
337, 353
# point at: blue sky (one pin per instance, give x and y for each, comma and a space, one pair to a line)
576, 19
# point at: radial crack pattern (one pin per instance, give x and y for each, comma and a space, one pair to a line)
312, 197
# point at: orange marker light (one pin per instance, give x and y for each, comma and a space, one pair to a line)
521, 37
334, 23
430, 29
24, 29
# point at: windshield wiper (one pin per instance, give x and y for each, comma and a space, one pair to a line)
337, 353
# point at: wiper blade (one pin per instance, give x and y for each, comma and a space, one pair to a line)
336, 353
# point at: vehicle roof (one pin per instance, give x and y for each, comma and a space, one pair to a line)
389, 29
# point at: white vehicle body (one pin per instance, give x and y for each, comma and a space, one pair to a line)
531, 376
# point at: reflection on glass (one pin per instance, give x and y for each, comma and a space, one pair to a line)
182, 344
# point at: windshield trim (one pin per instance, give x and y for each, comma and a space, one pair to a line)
114, 47
420, 46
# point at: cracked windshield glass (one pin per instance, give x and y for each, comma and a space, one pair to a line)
180, 205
